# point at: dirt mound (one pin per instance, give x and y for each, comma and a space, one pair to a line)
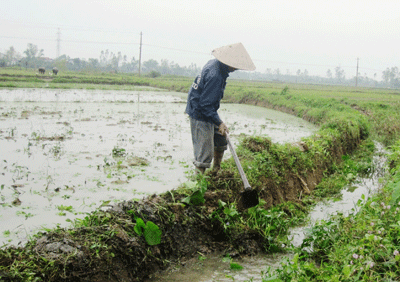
120, 255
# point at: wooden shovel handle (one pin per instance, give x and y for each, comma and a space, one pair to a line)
239, 166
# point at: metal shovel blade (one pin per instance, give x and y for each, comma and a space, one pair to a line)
249, 198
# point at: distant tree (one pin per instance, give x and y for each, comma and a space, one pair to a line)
153, 74
104, 57
339, 74
61, 64
165, 67
386, 75
76, 64
150, 65
391, 77
134, 63
124, 60
33, 52
329, 74
32, 55
93, 64
11, 57
277, 73
115, 60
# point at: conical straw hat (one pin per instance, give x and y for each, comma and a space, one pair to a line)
234, 55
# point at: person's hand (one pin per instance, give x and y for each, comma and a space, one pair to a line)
223, 129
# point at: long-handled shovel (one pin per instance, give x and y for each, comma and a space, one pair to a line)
249, 196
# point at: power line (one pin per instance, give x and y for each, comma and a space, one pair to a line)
26, 38
176, 49
108, 42
312, 65
101, 42
72, 41
66, 27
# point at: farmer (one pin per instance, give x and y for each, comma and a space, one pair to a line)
205, 94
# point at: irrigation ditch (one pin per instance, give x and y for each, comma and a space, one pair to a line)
134, 239
217, 267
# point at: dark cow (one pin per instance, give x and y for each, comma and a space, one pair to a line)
55, 71
42, 70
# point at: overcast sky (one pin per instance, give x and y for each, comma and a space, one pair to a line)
285, 34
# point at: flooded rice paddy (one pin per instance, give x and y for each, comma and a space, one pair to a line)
65, 153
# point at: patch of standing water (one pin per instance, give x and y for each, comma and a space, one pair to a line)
214, 268
350, 196
65, 153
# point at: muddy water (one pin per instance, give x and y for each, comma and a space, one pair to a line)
214, 268
56, 156
350, 196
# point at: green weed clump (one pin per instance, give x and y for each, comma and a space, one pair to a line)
346, 172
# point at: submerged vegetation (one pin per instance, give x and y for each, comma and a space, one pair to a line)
135, 238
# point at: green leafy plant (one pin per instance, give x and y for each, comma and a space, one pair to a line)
150, 231
235, 266
227, 216
394, 186
198, 191
118, 152
271, 224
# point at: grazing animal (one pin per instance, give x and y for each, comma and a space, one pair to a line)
55, 71
42, 70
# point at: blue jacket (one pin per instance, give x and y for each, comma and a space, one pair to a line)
207, 91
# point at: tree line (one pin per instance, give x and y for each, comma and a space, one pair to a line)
33, 57
337, 76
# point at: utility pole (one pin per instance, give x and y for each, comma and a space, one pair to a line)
140, 53
58, 42
357, 73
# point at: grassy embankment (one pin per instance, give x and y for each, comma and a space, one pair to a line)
283, 175
15, 78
